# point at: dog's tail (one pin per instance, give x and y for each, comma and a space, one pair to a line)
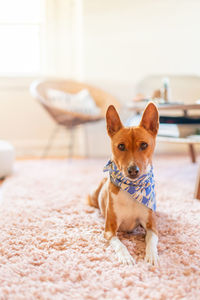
92, 199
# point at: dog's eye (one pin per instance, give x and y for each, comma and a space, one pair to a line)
121, 147
143, 146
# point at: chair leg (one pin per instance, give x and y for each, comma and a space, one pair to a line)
197, 187
86, 142
50, 141
192, 153
71, 141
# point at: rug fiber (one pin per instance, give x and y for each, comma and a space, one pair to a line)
52, 246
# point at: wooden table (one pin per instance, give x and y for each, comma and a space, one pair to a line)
138, 107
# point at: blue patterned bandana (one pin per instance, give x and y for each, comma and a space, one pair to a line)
141, 189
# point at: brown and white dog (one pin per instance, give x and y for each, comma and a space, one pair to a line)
132, 150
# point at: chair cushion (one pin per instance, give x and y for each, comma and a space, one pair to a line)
7, 156
81, 102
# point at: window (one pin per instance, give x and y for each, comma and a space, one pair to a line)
21, 24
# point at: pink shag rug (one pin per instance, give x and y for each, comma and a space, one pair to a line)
51, 242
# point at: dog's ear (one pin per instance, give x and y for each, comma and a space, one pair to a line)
150, 118
113, 121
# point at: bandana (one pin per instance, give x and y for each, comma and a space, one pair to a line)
142, 189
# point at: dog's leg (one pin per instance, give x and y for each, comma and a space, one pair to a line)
151, 240
111, 228
121, 251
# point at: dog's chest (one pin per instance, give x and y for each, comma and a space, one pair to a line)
129, 212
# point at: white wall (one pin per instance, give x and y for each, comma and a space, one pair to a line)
123, 41
126, 40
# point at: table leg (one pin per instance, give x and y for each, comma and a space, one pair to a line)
197, 187
192, 153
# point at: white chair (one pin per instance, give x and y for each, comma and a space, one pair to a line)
7, 157
66, 118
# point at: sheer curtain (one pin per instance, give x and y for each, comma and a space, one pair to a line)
21, 26
41, 37
63, 39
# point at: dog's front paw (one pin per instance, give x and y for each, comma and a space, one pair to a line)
124, 256
121, 251
152, 256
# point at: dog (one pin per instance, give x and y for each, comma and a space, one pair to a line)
126, 198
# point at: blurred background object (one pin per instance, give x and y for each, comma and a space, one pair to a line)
71, 104
7, 157
124, 48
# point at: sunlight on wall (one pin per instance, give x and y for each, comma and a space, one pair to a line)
20, 33
127, 40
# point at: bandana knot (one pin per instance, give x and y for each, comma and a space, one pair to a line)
142, 189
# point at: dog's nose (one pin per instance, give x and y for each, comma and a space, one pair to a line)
133, 171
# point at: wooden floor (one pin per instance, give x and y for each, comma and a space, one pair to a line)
1, 181
49, 157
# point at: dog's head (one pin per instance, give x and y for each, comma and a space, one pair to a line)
132, 148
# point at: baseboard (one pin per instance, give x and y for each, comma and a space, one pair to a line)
97, 148
35, 148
